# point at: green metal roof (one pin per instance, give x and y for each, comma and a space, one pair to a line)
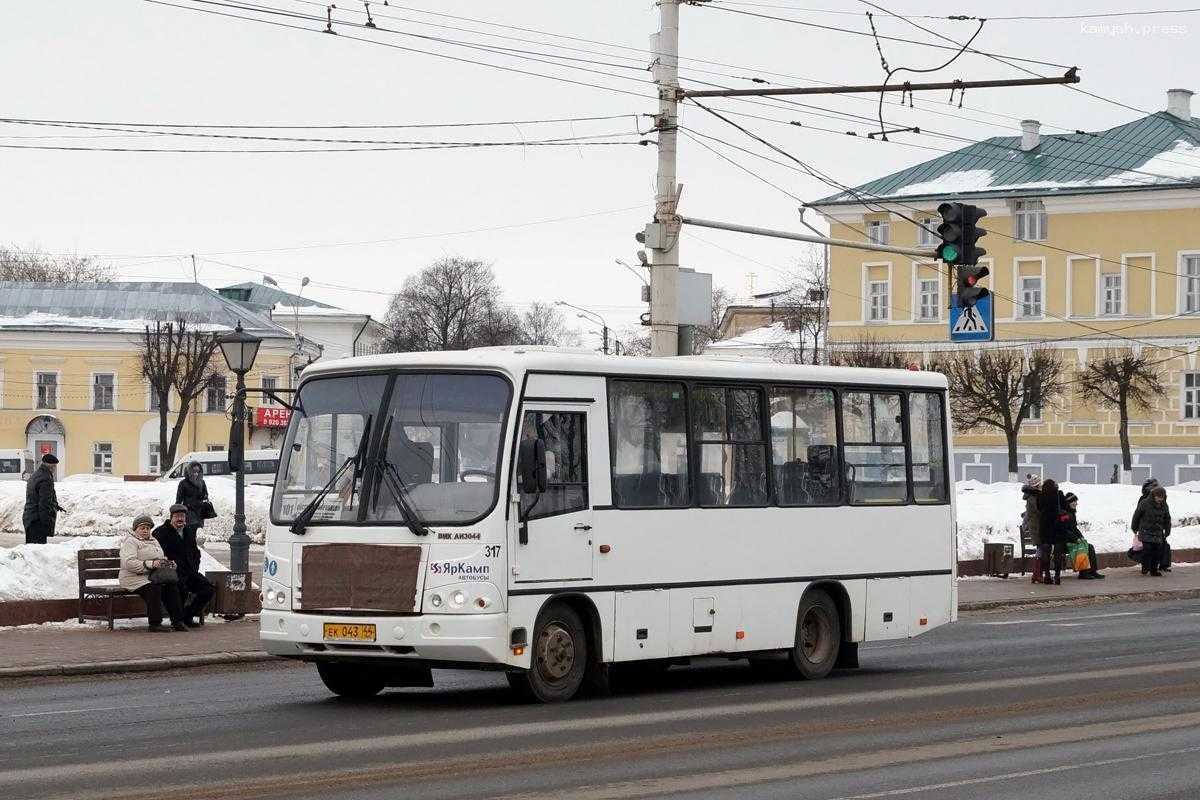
1155, 152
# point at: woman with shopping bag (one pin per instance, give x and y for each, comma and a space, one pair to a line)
1080, 553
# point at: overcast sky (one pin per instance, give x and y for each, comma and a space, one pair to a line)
130, 61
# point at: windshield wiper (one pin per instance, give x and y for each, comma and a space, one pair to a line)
387, 473
306, 514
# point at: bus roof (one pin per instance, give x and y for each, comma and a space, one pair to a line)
518, 360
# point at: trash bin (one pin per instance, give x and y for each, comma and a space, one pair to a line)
235, 594
997, 559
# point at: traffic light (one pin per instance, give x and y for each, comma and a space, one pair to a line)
959, 232
968, 288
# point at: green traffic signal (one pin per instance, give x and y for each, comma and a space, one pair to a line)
948, 253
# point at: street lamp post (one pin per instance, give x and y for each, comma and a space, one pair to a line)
239, 349
591, 316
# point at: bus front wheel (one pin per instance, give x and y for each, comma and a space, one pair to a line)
559, 657
818, 637
351, 681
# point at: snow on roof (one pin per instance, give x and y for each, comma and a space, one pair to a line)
765, 338
1155, 152
38, 319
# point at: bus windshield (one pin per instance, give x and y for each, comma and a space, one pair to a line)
439, 436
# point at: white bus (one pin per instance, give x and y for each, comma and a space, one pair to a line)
260, 465
551, 514
16, 465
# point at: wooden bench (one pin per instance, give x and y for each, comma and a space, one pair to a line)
97, 565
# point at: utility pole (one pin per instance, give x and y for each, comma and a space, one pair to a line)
664, 270
605, 328
195, 279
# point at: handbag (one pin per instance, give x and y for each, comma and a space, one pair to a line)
207, 511
164, 575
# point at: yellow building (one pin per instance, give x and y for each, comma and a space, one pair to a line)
71, 382
1093, 245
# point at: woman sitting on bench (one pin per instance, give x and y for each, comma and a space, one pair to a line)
146, 571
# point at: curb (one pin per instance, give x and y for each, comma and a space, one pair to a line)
137, 664
1062, 600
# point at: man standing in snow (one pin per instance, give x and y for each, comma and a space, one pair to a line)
41, 502
178, 542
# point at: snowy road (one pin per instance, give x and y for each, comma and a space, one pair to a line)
1069, 703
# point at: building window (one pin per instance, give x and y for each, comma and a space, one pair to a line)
1030, 306
154, 404
927, 232
47, 390
930, 295
877, 295
214, 395
153, 458
879, 231
1112, 293
1191, 284
102, 458
269, 383
1191, 395
102, 391
1030, 220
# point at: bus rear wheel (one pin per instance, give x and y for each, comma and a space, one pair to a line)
818, 637
559, 657
351, 681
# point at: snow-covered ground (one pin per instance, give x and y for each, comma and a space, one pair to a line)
97, 505
48, 571
99, 510
992, 512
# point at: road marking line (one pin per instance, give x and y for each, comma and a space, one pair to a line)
857, 762
932, 787
70, 711
536, 728
1060, 619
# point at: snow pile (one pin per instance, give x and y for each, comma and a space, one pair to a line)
49, 571
992, 512
108, 508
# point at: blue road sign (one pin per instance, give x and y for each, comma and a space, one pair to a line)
976, 324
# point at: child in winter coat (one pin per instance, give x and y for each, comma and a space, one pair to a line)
1152, 521
1075, 535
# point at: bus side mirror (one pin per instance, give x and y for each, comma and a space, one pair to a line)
531, 466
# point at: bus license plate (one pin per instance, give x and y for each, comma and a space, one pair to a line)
349, 632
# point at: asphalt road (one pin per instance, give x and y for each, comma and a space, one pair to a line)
1097, 701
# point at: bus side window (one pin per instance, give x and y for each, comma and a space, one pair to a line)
649, 444
804, 450
873, 435
727, 430
927, 428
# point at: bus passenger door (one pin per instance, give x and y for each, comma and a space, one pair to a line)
558, 541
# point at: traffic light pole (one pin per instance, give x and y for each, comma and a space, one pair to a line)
806, 237
664, 269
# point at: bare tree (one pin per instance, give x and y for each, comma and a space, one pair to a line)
1121, 378
453, 304
634, 341
175, 356
868, 351
998, 388
17, 264
704, 335
543, 323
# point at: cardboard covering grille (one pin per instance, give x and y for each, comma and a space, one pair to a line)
360, 577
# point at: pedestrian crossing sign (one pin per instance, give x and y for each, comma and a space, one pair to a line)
975, 324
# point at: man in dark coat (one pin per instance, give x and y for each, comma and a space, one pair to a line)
178, 541
41, 502
1152, 521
